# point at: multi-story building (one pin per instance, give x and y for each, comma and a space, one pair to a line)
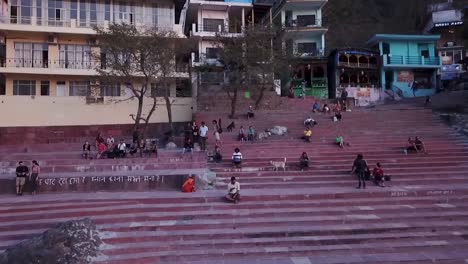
303, 36
47, 70
447, 21
409, 63
205, 22
357, 71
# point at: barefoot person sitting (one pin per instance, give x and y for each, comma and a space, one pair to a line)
233, 188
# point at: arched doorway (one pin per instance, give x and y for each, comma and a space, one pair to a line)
353, 59
363, 60
343, 59
353, 79
344, 79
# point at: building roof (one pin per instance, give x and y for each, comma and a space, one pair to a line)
383, 37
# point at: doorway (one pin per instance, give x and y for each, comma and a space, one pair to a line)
61, 89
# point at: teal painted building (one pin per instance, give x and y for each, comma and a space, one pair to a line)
410, 65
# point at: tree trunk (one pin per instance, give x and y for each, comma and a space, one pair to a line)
260, 96
169, 111
233, 103
150, 113
137, 118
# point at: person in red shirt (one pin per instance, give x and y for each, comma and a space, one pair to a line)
101, 150
378, 175
189, 185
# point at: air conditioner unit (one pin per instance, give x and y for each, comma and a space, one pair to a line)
52, 39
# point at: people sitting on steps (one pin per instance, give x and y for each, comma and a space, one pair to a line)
378, 175
233, 189
251, 134
250, 112
237, 158
188, 145
307, 135
86, 150
215, 156
189, 185
121, 149
316, 107
309, 122
101, 150
326, 109
242, 135
337, 117
304, 161
415, 146
339, 141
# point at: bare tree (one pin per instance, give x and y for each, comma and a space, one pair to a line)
141, 59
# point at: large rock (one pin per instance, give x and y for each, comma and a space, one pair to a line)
206, 180
171, 145
72, 242
278, 130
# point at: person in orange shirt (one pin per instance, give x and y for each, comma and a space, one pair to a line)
189, 184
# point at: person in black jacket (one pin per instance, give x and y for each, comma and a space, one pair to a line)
360, 168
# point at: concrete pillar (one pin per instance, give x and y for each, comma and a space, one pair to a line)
253, 17
283, 17
323, 43
243, 18
194, 27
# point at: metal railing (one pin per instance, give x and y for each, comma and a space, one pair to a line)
367, 65
56, 64
311, 53
411, 60
218, 28
203, 59
160, 22
291, 24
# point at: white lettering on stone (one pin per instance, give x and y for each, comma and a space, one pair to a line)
134, 179
399, 194
62, 181
49, 181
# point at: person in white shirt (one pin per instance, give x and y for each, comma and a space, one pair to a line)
309, 122
110, 142
121, 147
233, 188
237, 158
203, 136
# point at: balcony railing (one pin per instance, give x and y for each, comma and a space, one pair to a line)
310, 53
55, 64
293, 24
204, 60
213, 28
160, 22
358, 65
411, 60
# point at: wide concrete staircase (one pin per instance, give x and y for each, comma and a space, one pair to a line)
291, 217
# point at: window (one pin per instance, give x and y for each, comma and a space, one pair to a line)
110, 89
306, 20
213, 53
45, 88
21, 11
75, 56
83, 11
56, 12
39, 12
33, 55
74, 9
183, 88
307, 48
157, 90
92, 12
213, 25
107, 10
79, 88
24, 87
